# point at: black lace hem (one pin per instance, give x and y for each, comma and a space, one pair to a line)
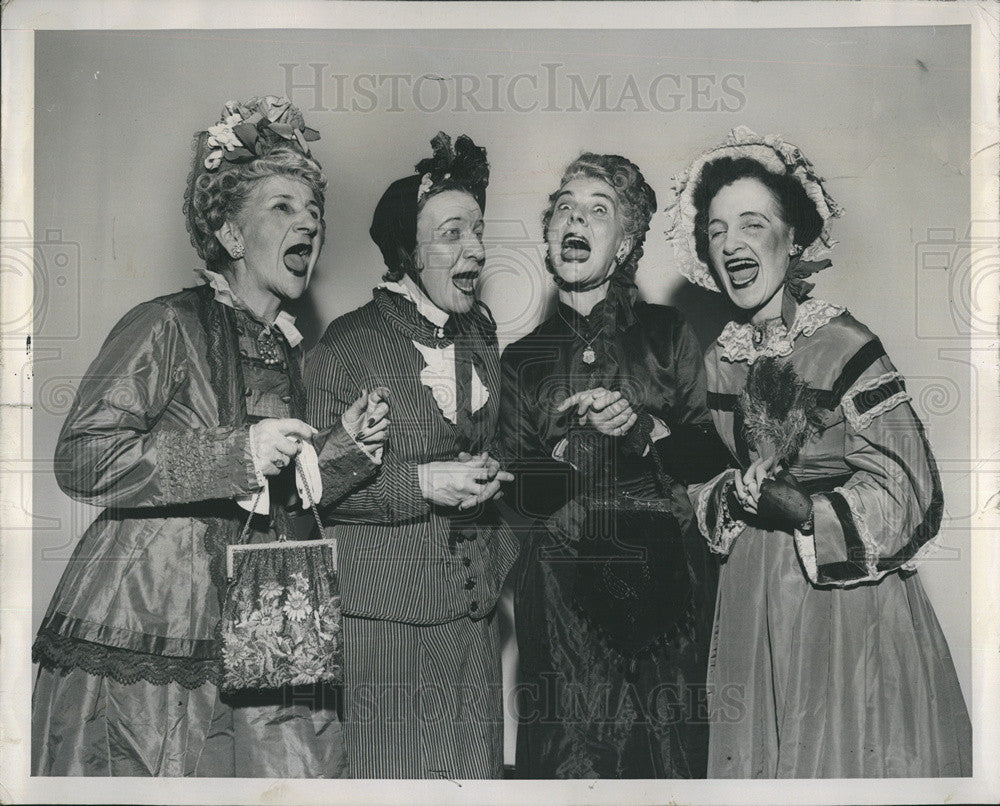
125, 666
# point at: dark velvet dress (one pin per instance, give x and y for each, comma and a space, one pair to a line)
614, 590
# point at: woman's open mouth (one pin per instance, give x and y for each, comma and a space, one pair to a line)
296, 258
465, 281
742, 271
575, 249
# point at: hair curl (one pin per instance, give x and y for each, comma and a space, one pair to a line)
213, 197
636, 201
797, 209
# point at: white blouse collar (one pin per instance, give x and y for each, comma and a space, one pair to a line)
427, 309
438, 373
224, 293
736, 341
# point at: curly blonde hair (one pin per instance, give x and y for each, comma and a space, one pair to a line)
213, 197
636, 200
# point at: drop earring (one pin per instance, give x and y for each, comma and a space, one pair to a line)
237, 251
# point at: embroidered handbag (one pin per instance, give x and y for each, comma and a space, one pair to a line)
281, 619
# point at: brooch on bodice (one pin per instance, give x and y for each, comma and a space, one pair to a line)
268, 347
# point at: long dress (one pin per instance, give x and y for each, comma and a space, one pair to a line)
614, 588
419, 583
827, 658
128, 651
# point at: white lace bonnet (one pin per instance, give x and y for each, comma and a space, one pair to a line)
774, 154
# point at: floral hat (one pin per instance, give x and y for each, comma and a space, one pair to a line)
247, 129
776, 156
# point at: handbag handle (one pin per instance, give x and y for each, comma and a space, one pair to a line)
301, 476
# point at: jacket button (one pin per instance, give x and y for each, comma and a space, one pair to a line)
470, 583
466, 561
473, 607
248, 392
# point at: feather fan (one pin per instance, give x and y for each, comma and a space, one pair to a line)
778, 409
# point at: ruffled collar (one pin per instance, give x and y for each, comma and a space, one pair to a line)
224, 294
408, 289
438, 374
744, 342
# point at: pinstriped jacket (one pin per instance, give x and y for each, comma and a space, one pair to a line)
401, 558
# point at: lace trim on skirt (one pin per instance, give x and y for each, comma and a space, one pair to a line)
122, 665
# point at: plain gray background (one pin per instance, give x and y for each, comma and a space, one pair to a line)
883, 113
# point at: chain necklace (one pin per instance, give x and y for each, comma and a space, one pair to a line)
589, 354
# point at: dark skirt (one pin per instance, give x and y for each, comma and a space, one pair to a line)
613, 611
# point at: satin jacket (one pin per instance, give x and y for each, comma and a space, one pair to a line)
158, 435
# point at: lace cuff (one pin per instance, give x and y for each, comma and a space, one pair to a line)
806, 545
202, 464
715, 519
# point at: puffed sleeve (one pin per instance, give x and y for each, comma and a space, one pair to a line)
119, 448
693, 451
393, 494
891, 507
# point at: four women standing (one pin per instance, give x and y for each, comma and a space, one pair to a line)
607, 420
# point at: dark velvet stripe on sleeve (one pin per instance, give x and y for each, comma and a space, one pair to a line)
854, 549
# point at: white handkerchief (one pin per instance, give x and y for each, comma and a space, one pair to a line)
308, 466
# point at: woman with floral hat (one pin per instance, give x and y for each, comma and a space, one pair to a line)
191, 415
827, 658
422, 552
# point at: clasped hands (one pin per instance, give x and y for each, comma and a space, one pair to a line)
464, 482
606, 411
275, 442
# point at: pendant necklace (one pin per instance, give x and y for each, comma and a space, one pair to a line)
589, 354
763, 330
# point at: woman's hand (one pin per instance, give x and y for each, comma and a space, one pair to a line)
496, 478
603, 410
748, 485
274, 443
367, 420
461, 483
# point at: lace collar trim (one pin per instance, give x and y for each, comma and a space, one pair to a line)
224, 294
737, 341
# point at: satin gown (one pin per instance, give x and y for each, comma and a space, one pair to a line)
827, 658
614, 588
